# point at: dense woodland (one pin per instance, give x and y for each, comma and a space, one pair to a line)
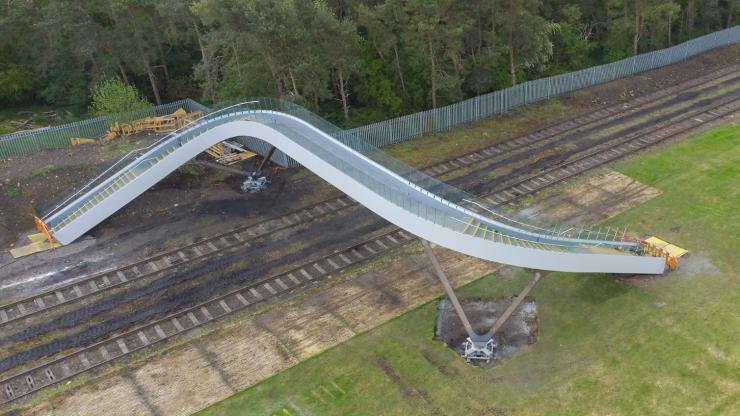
353, 61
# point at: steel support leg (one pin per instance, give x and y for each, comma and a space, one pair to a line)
448, 288
264, 161
515, 304
476, 347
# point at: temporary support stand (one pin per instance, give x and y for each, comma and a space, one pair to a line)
476, 347
256, 181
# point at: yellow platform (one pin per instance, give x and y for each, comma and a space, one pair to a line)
38, 244
674, 251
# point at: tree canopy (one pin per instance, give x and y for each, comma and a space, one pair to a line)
355, 61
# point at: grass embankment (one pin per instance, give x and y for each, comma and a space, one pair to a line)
650, 346
65, 114
435, 148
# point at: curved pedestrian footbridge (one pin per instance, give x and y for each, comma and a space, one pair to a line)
402, 195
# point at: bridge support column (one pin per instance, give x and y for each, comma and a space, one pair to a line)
514, 304
266, 159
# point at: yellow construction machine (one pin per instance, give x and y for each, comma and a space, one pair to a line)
225, 153
152, 125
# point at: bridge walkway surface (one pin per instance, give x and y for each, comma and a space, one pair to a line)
402, 195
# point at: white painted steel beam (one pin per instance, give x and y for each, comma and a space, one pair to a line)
319, 152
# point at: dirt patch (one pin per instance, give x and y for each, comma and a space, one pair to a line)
519, 331
184, 379
651, 81
590, 200
695, 265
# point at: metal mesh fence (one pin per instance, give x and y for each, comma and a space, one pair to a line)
445, 118
55, 137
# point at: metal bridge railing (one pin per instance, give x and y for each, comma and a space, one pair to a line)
444, 208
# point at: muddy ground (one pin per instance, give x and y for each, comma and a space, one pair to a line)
519, 331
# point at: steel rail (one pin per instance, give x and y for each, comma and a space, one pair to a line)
92, 356
609, 153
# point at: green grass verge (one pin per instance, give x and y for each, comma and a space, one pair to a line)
434, 148
664, 346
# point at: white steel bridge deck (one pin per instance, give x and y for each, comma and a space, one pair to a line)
413, 201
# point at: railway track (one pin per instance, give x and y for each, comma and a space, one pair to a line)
585, 162
95, 355
551, 151
162, 262
243, 236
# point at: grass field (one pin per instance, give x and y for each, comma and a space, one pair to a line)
663, 346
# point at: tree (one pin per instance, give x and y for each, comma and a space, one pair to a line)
360, 60
270, 30
436, 26
16, 82
338, 41
113, 96
733, 12
528, 36
483, 47
661, 17
383, 25
574, 41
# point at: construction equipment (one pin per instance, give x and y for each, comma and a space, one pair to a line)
656, 247
40, 241
256, 181
77, 141
227, 153
152, 125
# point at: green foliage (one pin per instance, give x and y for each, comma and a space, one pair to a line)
5, 127
367, 58
43, 170
573, 41
377, 87
16, 82
12, 193
113, 97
